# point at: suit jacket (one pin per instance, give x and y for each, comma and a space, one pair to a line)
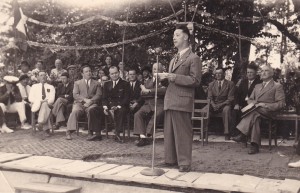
135, 94
243, 91
61, 91
119, 95
225, 95
180, 93
272, 94
14, 96
81, 92
149, 97
35, 95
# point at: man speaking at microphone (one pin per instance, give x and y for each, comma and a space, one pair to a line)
184, 76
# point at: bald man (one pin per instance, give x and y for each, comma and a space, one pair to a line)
142, 127
269, 98
57, 71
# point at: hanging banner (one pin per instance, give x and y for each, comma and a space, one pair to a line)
101, 17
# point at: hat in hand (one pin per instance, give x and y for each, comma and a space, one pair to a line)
11, 79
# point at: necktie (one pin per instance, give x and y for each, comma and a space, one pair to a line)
26, 91
175, 61
219, 85
132, 86
263, 85
114, 84
249, 84
43, 91
87, 85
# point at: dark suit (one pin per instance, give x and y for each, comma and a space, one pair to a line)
243, 91
226, 97
273, 96
117, 96
178, 106
140, 117
94, 113
63, 104
135, 96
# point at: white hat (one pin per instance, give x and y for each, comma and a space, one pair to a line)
11, 79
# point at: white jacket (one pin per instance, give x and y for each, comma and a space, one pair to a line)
35, 95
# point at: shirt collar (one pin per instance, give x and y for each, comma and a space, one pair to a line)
183, 51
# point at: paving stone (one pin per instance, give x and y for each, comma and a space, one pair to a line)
79, 166
249, 181
268, 185
116, 170
45, 187
34, 161
101, 168
189, 177
290, 186
4, 185
6, 157
131, 172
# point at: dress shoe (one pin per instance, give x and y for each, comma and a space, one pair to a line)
143, 142
294, 164
94, 138
25, 126
184, 168
104, 130
239, 138
56, 127
39, 127
5, 129
253, 149
68, 134
227, 137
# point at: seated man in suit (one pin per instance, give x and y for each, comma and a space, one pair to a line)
244, 90
135, 91
64, 99
42, 97
11, 102
24, 88
87, 95
115, 99
141, 128
268, 97
221, 94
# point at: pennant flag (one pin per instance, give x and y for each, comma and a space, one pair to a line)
19, 22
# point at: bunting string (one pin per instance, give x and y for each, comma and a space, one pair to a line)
97, 17
104, 46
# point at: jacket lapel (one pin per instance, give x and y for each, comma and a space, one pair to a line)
266, 88
171, 65
83, 86
181, 60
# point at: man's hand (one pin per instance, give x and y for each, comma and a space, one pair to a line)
261, 105
146, 91
87, 101
171, 77
114, 108
66, 96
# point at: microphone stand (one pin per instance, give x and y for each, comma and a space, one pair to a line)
154, 171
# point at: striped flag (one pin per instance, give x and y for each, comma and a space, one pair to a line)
19, 22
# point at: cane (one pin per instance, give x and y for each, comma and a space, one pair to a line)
154, 171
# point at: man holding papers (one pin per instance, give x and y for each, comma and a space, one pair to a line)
269, 98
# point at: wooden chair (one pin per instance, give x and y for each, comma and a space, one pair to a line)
123, 126
272, 127
82, 119
201, 113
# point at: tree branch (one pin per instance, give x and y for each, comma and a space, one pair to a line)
285, 32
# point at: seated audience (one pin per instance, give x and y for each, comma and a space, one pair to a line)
11, 102
25, 70
221, 94
135, 91
107, 65
115, 99
87, 95
42, 96
268, 97
146, 73
39, 66
123, 72
64, 99
24, 88
72, 71
142, 126
57, 72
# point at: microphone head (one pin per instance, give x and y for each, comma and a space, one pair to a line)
158, 50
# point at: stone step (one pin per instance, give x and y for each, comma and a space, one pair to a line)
36, 187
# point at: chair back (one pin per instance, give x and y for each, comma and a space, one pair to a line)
201, 108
